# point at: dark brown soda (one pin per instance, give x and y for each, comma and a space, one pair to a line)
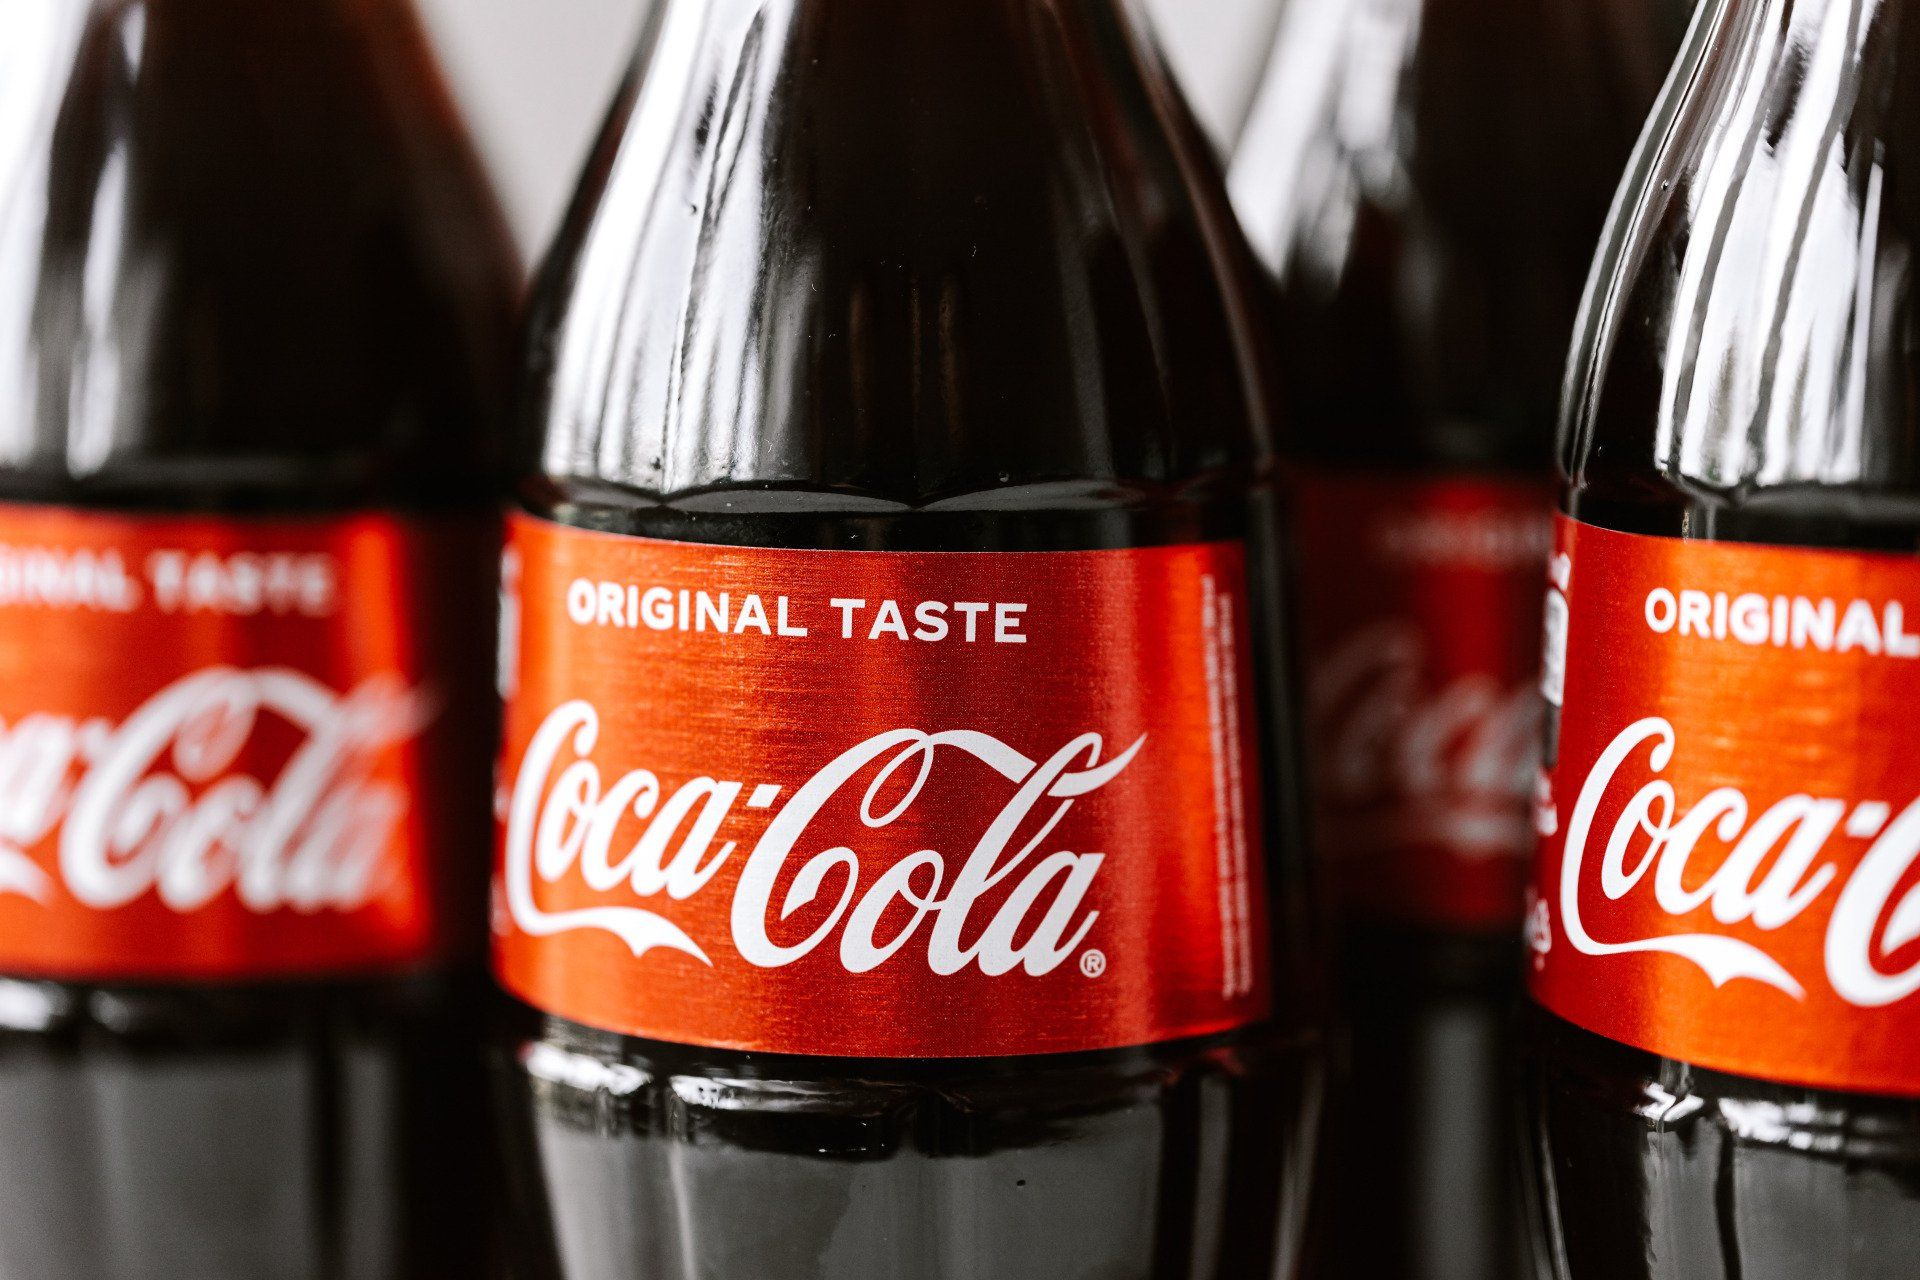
948, 275
1425, 181
248, 264
1803, 435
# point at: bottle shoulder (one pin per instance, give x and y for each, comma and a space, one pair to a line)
1671, 1100
1747, 352
251, 251
1419, 316
909, 252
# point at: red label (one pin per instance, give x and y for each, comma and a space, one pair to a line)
225, 743
887, 805
1731, 826
1420, 602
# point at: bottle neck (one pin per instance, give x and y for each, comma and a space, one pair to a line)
934, 11
384, 30
244, 232
1831, 47
895, 29
894, 240
1764, 248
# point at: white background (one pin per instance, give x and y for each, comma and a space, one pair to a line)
536, 75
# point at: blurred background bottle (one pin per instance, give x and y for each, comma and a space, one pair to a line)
1425, 181
256, 326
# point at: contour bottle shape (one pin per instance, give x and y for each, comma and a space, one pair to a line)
898, 871
256, 311
1425, 180
1721, 1079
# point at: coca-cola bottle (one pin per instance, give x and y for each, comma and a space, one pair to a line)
256, 308
898, 871
1425, 180
1722, 1072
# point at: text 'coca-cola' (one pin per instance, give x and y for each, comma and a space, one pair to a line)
880, 804
1420, 612
225, 743
1730, 873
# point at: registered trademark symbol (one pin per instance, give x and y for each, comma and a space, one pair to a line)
1093, 963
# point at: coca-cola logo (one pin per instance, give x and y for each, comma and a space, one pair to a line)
1009, 902
1782, 861
1462, 753
162, 805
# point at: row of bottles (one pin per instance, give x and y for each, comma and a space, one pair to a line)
973, 570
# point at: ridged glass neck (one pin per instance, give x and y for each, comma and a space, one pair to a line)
1765, 243
899, 250
241, 238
